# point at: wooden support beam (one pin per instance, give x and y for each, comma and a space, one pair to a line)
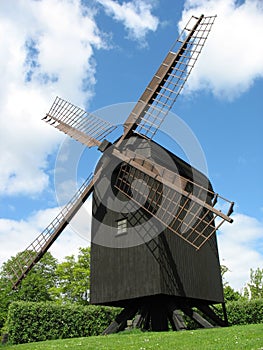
121, 320
177, 321
197, 317
213, 316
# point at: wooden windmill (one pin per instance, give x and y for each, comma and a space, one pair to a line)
151, 213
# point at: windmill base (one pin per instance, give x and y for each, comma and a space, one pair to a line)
156, 312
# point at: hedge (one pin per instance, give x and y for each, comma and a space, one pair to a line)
239, 312
31, 322
245, 312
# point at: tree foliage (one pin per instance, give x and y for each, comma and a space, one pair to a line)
73, 278
224, 269
35, 287
49, 280
254, 289
229, 293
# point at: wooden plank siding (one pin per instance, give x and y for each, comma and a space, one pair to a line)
165, 265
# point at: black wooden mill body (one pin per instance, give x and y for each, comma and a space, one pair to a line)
160, 276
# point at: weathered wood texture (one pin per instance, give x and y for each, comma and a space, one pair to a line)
164, 265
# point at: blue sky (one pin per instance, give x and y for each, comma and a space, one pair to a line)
101, 53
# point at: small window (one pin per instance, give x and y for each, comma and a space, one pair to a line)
122, 226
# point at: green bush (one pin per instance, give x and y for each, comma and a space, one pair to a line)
245, 312
30, 322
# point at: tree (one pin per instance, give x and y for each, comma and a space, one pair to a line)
224, 269
35, 287
4, 301
73, 278
229, 293
254, 289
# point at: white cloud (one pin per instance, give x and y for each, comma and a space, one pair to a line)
233, 57
15, 236
240, 244
46, 50
136, 16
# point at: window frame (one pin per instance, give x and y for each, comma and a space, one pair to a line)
122, 226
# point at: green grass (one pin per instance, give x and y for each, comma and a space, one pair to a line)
235, 337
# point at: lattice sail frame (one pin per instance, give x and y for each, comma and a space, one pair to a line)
34, 252
181, 205
77, 123
167, 83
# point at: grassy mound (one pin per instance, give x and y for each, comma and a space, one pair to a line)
235, 337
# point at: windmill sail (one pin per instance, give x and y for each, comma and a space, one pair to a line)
77, 123
34, 252
161, 93
171, 200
